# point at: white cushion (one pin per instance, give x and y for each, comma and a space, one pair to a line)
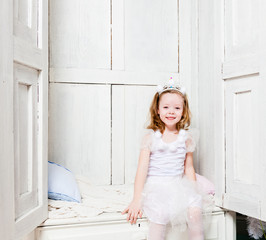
62, 184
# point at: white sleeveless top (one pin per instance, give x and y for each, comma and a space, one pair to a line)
167, 159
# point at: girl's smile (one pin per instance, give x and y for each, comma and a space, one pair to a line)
170, 118
171, 108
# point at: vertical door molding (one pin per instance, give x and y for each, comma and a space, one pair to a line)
262, 119
218, 128
6, 121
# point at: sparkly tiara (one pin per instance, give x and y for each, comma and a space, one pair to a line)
171, 85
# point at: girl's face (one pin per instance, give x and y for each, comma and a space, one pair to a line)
171, 108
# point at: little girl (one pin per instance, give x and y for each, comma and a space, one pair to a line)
165, 185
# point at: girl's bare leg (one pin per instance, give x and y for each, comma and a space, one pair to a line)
156, 231
195, 224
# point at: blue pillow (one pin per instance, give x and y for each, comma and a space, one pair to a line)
62, 184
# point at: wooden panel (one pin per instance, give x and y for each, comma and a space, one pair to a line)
230, 226
100, 230
118, 134
242, 205
137, 103
27, 54
118, 35
80, 129
117, 228
186, 56
216, 230
243, 136
26, 142
25, 20
208, 113
108, 76
26, 112
129, 115
242, 145
241, 28
80, 34
241, 67
151, 36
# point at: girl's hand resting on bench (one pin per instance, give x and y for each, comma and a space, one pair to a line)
133, 211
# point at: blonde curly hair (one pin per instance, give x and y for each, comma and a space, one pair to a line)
155, 121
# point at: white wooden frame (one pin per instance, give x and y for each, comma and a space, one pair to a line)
32, 53
6, 121
262, 138
219, 102
68, 75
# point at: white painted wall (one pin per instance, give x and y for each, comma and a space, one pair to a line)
206, 71
80, 34
80, 129
105, 60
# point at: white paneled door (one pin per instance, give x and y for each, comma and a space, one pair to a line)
240, 100
30, 113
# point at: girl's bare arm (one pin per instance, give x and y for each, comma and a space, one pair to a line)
189, 168
133, 210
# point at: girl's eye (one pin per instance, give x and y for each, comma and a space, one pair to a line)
177, 108
165, 107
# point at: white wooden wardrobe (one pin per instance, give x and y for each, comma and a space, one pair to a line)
105, 59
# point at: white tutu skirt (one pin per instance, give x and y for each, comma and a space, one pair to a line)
167, 200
